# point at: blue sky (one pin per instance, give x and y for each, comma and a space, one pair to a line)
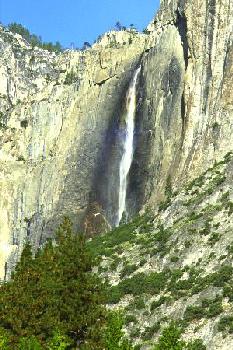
76, 20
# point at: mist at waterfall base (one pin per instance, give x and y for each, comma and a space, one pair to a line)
127, 144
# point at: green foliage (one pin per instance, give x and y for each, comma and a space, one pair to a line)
130, 318
3, 121
214, 238
128, 270
194, 312
170, 339
109, 243
165, 204
114, 334
224, 274
208, 309
24, 123
30, 343
229, 206
138, 284
228, 291
162, 300
226, 324
215, 126
4, 339
174, 259
187, 243
21, 159
206, 230
33, 39
137, 304
55, 291
197, 344
150, 331
146, 31
70, 77
59, 342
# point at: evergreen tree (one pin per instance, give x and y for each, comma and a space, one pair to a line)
56, 291
114, 336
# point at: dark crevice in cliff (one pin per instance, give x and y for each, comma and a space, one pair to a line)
104, 80
181, 24
211, 13
183, 112
226, 59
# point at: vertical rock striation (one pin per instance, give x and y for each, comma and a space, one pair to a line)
185, 114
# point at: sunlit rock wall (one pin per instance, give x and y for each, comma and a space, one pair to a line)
57, 113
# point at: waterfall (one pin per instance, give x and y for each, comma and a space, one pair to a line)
127, 155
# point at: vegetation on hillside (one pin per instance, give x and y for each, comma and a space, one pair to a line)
161, 262
33, 39
54, 301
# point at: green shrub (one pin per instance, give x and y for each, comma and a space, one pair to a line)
224, 274
197, 344
228, 292
59, 342
174, 259
229, 206
170, 339
139, 284
157, 303
70, 77
212, 256
187, 244
130, 318
194, 312
214, 309
168, 187
209, 308
24, 123
137, 304
150, 331
33, 39
206, 230
114, 334
128, 270
142, 262
226, 324
31, 343
214, 238
4, 339
224, 197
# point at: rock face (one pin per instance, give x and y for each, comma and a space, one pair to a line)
185, 114
58, 123
60, 117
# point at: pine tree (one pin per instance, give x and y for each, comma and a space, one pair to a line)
55, 292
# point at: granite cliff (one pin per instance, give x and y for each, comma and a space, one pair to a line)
60, 118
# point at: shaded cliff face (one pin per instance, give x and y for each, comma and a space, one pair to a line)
60, 118
185, 110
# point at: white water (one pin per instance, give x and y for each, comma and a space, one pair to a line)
127, 156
